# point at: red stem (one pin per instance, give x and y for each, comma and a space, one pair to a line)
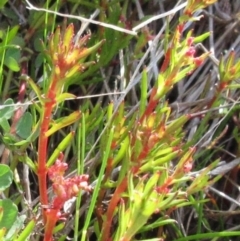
112, 206
166, 60
53, 217
151, 104
42, 145
42, 155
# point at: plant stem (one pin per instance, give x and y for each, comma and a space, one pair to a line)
42, 145
112, 206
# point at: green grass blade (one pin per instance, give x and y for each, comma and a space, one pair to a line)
203, 236
81, 143
97, 187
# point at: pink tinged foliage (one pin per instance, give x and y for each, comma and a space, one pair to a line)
194, 5
66, 58
199, 60
191, 52
165, 188
65, 188
188, 166
190, 41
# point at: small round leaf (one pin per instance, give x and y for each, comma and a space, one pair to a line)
12, 64
7, 109
24, 126
10, 212
6, 177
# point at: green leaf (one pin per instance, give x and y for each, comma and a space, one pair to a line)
18, 225
176, 124
11, 63
9, 213
25, 159
33, 86
27, 230
54, 41
109, 111
8, 139
31, 138
13, 51
2, 233
39, 60
12, 33
122, 151
7, 112
60, 148
68, 36
88, 51
24, 126
39, 45
6, 177
4, 124
201, 38
149, 186
208, 235
62, 97
62, 122
2, 3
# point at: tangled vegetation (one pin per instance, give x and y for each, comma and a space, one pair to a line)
119, 120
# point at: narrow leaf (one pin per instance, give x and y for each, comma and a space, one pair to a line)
65, 121
60, 148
